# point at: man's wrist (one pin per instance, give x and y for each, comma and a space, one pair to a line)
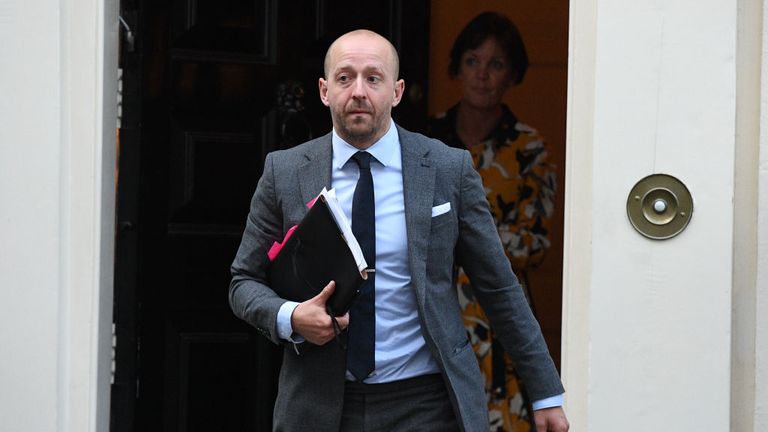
284, 326
550, 402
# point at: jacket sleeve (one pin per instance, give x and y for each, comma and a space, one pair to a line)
480, 253
250, 297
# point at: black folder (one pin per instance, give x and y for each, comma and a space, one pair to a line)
315, 254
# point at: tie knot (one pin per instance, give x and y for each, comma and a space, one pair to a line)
363, 159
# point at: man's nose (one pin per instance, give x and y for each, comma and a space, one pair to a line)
358, 89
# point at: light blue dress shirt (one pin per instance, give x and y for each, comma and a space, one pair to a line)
401, 351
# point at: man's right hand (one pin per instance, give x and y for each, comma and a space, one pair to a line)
311, 320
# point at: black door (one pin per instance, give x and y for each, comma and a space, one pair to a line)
209, 87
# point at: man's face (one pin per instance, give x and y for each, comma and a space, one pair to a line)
360, 88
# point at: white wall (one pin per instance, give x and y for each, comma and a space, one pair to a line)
760, 418
648, 323
56, 217
30, 266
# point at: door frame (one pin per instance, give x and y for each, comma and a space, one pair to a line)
88, 47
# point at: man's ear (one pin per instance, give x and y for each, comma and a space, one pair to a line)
399, 89
323, 86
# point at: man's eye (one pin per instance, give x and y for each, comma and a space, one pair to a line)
343, 78
374, 79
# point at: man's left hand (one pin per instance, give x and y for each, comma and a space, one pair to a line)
551, 420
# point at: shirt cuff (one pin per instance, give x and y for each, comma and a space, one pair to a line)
550, 402
284, 327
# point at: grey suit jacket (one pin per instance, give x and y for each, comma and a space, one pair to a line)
311, 387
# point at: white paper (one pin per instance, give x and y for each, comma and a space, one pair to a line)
346, 229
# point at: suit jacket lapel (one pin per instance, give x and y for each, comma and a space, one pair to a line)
315, 173
418, 191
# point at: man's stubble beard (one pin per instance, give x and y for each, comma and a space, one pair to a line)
359, 136
353, 135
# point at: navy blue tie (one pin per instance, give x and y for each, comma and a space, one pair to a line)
362, 315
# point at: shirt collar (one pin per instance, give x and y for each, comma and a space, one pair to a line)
386, 150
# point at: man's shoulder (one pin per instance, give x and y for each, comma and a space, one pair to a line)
301, 151
434, 148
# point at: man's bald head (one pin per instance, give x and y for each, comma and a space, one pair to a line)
395, 59
361, 86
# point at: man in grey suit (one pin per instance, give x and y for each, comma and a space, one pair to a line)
408, 364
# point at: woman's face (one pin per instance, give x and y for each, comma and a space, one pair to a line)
485, 75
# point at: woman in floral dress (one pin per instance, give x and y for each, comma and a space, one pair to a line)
487, 58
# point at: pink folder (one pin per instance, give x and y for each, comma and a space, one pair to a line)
277, 247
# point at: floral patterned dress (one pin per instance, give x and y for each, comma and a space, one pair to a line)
520, 186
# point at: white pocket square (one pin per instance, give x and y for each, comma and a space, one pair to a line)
441, 209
